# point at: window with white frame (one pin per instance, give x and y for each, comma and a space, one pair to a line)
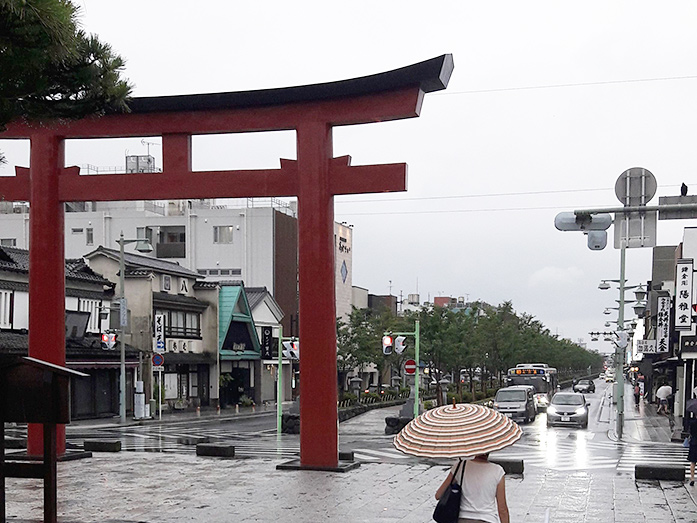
93, 307
5, 309
8, 242
181, 324
89, 236
222, 233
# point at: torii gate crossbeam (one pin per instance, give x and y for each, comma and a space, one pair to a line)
314, 178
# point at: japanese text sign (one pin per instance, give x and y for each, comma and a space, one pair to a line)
663, 323
683, 295
159, 345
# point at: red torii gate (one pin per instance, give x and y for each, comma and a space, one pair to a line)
314, 178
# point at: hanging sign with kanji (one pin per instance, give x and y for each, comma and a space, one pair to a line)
683, 295
646, 346
159, 341
662, 323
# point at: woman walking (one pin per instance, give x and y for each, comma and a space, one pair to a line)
692, 453
483, 491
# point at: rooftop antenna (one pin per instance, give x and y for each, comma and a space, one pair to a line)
148, 144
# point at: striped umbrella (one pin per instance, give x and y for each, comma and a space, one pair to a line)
452, 431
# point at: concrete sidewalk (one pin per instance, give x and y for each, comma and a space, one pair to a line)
161, 487
642, 423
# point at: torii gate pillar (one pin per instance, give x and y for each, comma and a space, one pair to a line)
315, 178
319, 431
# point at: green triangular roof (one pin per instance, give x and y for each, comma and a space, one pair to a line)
235, 316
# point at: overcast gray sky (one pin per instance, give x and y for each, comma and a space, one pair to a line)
548, 104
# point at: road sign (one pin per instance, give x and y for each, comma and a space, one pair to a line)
635, 187
410, 367
158, 360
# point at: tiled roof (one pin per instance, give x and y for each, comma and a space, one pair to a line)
206, 285
17, 343
164, 299
255, 295
137, 261
15, 259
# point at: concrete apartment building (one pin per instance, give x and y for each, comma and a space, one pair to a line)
254, 240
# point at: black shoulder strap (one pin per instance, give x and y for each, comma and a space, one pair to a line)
455, 473
462, 476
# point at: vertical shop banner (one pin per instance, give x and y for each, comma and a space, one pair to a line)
663, 324
683, 295
159, 341
267, 344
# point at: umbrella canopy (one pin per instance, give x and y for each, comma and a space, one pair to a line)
452, 431
691, 406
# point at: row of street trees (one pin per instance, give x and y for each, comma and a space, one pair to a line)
482, 341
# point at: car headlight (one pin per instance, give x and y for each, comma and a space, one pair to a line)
551, 410
580, 411
496, 405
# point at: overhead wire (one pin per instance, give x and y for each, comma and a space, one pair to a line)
574, 84
457, 211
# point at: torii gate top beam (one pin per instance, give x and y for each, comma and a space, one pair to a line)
385, 96
217, 108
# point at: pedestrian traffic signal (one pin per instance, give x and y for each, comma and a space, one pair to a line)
108, 340
387, 344
399, 344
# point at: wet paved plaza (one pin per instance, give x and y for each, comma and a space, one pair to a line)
140, 487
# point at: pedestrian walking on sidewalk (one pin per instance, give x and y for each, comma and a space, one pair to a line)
483, 491
662, 394
637, 394
692, 453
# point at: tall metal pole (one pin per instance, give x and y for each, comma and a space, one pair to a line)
619, 350
122, 377
416, 379
279, 384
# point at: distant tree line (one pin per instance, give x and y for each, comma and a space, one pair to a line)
481, 341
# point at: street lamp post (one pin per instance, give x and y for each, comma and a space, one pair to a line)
622, 335
143, 246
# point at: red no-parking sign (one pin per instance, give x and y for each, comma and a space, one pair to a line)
158, 360
410, 366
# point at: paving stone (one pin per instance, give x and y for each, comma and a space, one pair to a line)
143, 487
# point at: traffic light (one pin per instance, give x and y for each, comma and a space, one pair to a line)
291, 350
569, 221
387, 344
108, 340
399, 344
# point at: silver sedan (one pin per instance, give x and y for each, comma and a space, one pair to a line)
568, 408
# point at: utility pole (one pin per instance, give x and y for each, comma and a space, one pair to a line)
143, 246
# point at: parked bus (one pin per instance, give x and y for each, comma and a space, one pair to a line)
539, 375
